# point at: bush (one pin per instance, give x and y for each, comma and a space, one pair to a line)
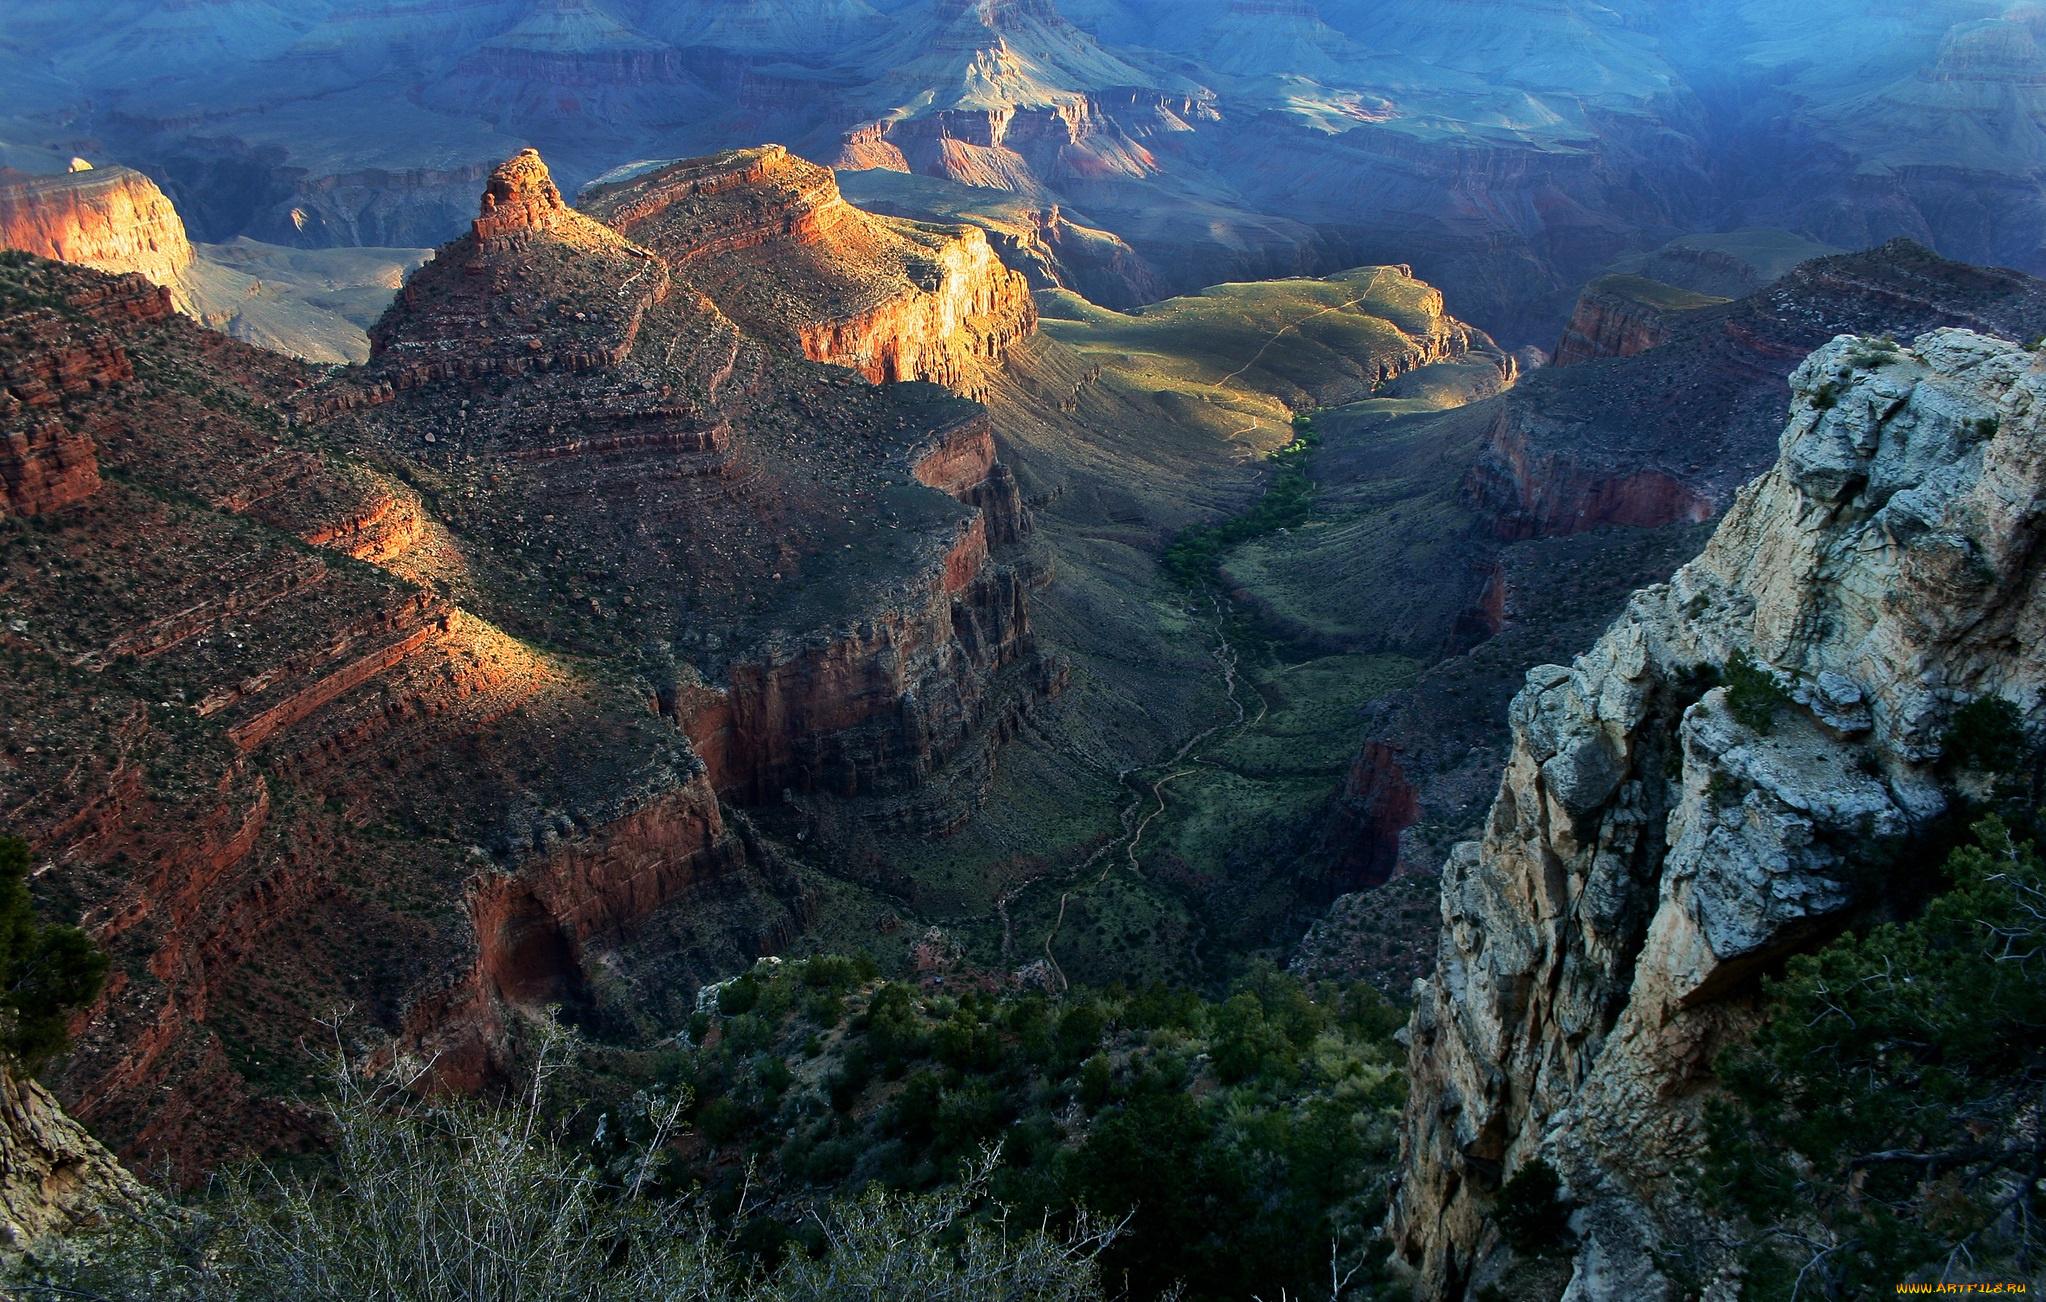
49, 971
1192, 559
933, 1247
1097, 1081
1531, 1214
739, 995
1752, 694
1079, 1032
450, 1201
1882, 1125
1987, 735
837, 973
1245, 1043
894, 1027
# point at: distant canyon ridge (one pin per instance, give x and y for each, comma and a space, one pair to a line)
1508, 150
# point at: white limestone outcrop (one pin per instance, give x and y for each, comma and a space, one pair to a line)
1648, 853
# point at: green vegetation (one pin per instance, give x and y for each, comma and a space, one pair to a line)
1654, 293
1246, 812
1276, 1111
1193, 557
824, 1135
1986, 735
1884, 1124
1871, 354
437, 1200
48, 971
1253, 346
1752, 692
1531, 1214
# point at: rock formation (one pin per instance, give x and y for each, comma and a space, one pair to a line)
109, 218
429, 688
1728, 265
303, 302
1580, 486
54, 1175
1649, 854
574, 70
1618, 316
771, 241
1508, 149
1668, 434
744, 250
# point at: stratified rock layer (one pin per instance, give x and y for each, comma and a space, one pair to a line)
1667, 434
420, 687
107, 218
848, 630
1618, 316
770, 240
1648, 854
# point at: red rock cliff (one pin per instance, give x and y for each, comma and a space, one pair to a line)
1533, 490
108, 218
271, 780
771, 240
1618, 316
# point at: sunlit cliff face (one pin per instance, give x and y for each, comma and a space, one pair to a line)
1508, 149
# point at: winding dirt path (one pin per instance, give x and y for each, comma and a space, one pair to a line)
1280, 333
1133, 827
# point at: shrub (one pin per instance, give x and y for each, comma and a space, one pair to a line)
449, 1201
1987, 734
739, 995
49, 971
1752, 694
837, 973
1245, 1043
1531, 1214
1080, 1031
1872, 353
932, 1246
1097, 1080
1192, 559
1881, 1125
894, 1027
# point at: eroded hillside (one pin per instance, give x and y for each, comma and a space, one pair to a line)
417, 688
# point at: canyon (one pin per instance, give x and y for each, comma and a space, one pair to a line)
1571, 489
651, 583
310, 303
1507, 151
386, 712
706, 552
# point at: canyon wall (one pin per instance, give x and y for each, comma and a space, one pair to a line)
1648, 854
676, 364
108, 218
770, 239
1618, 316
1668, 433
270, 779
303, 747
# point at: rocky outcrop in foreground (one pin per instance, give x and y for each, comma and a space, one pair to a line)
1648, 855
53, 1173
